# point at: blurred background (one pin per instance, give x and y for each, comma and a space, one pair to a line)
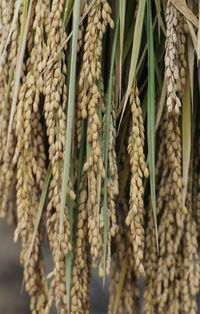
12, 299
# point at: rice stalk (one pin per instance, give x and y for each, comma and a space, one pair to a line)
91, 93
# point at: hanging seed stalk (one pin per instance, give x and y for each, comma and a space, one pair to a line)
99, 150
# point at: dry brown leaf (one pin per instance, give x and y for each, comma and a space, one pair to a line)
193, 35
191, 69
18, 72
183, 8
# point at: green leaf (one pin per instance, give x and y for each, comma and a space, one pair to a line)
68, 145
151, 112
69, 254
40, 209
161, 104
122, 10
191, 68
68, 9
186, 134
70, 111
135, 52
157, 2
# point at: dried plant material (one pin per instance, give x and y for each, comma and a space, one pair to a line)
28, 197
127, 298
174, 58
196, 179
19, 68
113, 186
189, 282
71, 182
54, 106
89, 104
138, 170
164, 271
81, 269
12, 26
183, 8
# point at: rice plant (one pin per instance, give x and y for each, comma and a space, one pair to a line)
100, 149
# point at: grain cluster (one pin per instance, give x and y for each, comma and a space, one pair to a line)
78, 176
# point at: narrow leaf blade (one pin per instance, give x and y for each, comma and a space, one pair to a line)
186, 135
151, 112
